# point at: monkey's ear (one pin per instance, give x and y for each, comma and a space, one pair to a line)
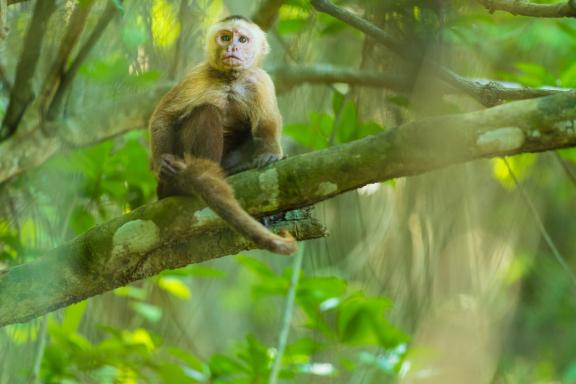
265, 46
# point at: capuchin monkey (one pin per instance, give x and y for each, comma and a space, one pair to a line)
221, 119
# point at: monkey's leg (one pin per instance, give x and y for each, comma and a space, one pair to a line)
199, 173
205, 178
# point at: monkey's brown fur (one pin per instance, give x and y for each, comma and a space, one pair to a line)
218, 122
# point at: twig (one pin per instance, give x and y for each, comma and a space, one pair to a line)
10, 2
109, 14
267, 14
541, 226
488, 95
287, 318
22, 93
526, 8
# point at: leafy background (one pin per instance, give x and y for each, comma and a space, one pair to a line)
437, 278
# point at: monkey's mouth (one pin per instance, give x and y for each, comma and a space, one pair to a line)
231, 58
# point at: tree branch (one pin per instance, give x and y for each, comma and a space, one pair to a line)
22, 93
10, 2
487, 95
526, 8
178, 231
108, 15
25, 152
266, 15
54, 76
286, 76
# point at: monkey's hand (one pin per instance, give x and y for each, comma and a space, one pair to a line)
265, 159
170, 166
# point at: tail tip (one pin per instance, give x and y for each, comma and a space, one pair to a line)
285, 244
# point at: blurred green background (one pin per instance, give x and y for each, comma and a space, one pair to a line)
439, 278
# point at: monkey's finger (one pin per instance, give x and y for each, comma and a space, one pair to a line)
265, 159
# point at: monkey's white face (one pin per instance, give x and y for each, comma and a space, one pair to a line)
235, 48
235, 45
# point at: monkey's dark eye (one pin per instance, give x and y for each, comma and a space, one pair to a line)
243, 39
225, 37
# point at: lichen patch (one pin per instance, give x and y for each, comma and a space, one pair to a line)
502, 139
205, 216
135, 236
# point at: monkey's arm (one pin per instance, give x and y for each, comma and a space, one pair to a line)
267, 130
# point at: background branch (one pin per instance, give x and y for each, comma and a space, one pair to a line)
109, 14
177, 231
73, 32
525, 8
111, 119
22, 93
266, 15
487, 95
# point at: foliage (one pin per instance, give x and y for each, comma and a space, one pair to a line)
333, 316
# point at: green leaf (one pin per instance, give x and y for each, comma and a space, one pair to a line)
73, 316
150, 312
175, 287
131, 292
196, 271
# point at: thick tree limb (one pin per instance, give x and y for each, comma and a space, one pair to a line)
22, 93
178, 231
487, 95
566, 8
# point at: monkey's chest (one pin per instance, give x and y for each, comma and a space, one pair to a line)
237, 112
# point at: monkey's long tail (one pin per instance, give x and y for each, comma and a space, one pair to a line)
206, 179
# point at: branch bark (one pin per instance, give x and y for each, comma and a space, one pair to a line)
526, 8
178, 231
